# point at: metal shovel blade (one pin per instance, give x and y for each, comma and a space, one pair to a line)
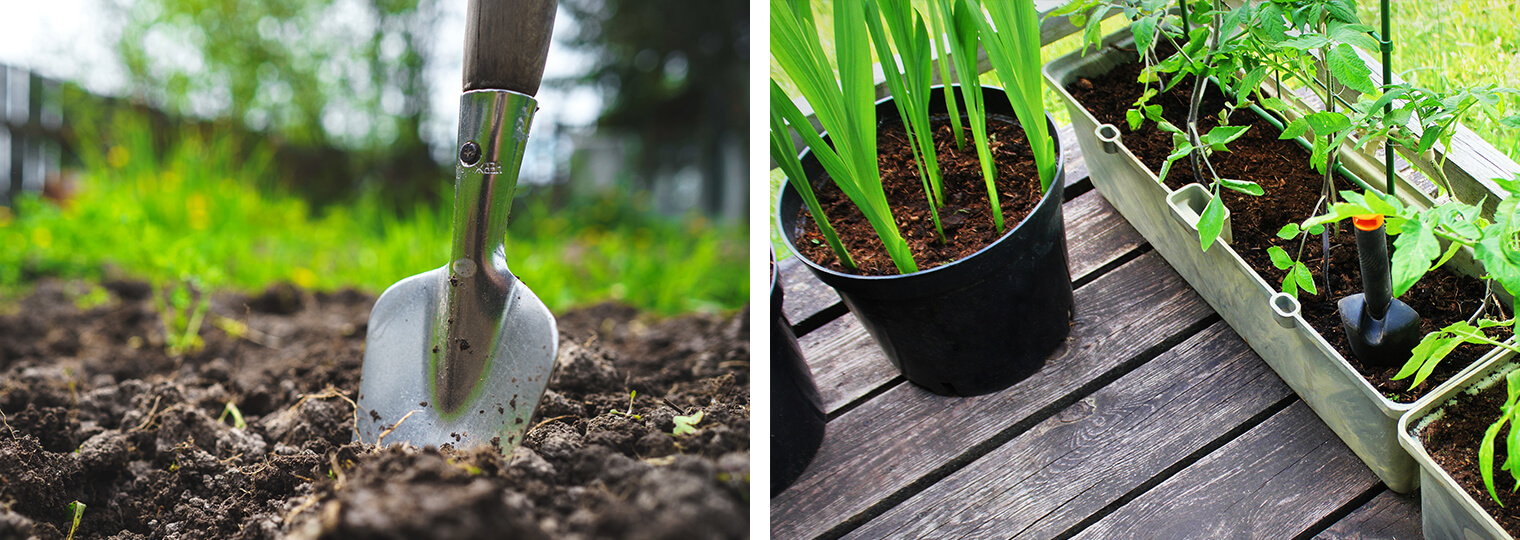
398, 382
462, 354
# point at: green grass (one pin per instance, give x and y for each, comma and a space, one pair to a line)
190, 212
1461, 43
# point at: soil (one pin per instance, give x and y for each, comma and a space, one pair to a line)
1453, 440
1293, 188
96, 412
966, 217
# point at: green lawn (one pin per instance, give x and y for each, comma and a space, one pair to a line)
191, 213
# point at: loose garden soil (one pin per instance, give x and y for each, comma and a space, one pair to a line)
95, 411
1453, 440
966, 216
1292, 187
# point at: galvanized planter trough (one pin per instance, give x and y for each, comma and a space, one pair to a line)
1267, 319
1447, 510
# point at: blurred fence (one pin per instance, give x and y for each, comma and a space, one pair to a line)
31, 132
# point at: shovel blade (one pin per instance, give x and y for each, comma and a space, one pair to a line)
398, 396
1380, 342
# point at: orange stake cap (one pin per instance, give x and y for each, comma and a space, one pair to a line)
1368, 222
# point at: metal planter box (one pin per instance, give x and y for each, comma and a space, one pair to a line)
1447, 510
1267, 319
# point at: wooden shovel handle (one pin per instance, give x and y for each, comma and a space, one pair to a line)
506, 43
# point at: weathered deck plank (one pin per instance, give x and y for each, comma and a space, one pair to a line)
1084, 458
806, 296
1274, 481
1387, 516
847, 364
907, 436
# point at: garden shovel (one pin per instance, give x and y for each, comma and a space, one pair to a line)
1382, 330
462, 354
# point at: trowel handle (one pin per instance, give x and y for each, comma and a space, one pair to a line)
1372, 250
506, 43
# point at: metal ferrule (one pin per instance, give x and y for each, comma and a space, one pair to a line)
495, 121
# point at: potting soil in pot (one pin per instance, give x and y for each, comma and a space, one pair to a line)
1453, 440
1292, 187
94, 411
966, 215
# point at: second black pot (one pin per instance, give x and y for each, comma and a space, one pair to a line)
976, 325
797, 416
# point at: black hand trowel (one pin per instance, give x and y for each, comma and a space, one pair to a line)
462, 354
1382, 330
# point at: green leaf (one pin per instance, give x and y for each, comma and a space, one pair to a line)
1486, 457
1290, 285
1306, 42
1349, 69
1275, 104
1280, 258
1242, 186
1211, 222
686, 424
1512, 121
1289, 232
1317, 230
1413, 251
1304, 278
1223, 134
1295, 128
1327, 122
1144, 30
1135, 118
1250, 82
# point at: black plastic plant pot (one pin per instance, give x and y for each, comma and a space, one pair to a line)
973, 326
797, 416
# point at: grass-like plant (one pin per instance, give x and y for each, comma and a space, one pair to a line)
910, 87
843, 104
1012, 40
840, 92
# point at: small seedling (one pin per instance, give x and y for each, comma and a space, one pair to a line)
686, 424
629, 414
76, 508
237, 415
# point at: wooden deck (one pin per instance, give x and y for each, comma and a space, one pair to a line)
1155, 420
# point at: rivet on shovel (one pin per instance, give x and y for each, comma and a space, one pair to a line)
1382, 330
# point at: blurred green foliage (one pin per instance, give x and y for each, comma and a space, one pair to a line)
673, 72
188, 212
338, 84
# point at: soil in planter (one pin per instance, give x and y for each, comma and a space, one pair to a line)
966, 215
1292, 189
1453, 440
94, 411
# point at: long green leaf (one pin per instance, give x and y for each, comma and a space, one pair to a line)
964, 37
784, 155
939, 31
1012, 41
910, 88
843, 105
